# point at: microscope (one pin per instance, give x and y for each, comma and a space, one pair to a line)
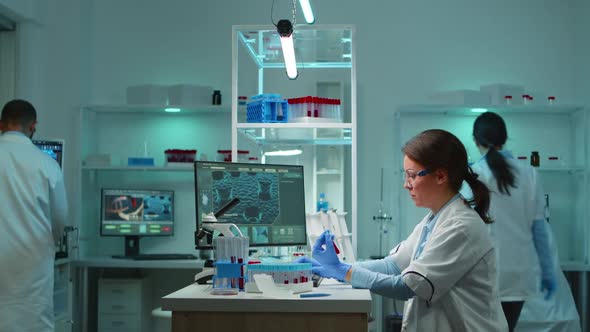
209, 225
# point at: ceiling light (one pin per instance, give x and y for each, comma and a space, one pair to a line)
479, 110
283, 153
307, 13
172, 110
285, 30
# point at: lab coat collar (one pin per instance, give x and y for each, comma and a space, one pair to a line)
433, 217
15, 136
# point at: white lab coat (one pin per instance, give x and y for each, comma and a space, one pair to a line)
518, 264
32, 217
454, 278
556, 314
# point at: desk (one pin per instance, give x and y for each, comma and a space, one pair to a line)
346, 309
83, 266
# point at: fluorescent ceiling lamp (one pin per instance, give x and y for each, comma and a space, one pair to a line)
289, 56
283, 153
172, 110
307, 13
479, 110
285, 30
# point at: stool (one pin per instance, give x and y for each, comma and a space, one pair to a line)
162, 321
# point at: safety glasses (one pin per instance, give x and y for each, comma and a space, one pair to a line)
410, 175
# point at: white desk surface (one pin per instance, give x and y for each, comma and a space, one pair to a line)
109, 262
343, 299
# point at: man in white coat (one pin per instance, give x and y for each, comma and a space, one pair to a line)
32, 218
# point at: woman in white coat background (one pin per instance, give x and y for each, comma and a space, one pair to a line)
446, 268
517, 209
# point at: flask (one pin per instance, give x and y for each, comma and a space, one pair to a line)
322, 203
535, 159
216, 97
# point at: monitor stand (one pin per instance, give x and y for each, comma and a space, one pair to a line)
131, 247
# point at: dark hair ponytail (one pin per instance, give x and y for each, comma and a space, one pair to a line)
489, 131
502, 171
481, 196
439, 149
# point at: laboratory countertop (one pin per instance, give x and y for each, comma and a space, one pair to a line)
342, 299
574, 266
109, 262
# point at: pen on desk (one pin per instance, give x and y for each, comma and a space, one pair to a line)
304, 295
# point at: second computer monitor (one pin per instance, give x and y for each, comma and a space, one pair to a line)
137, 212
271, 211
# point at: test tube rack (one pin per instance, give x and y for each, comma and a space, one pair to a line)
293, 276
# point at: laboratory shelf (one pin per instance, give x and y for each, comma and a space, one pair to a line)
299, 134
328, 47
329, 172
187, 168
300, 125
475, 110
561, 169
207, 109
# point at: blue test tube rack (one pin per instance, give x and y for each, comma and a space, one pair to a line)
267, 108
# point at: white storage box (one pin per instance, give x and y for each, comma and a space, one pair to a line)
148, 94
185, 94
461, 97
498, 91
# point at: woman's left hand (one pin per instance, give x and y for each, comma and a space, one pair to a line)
325, 254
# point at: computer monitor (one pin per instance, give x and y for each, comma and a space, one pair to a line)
134, 213
271, 208
54, 148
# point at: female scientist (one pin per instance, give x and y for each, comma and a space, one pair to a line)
517, 208
446, 268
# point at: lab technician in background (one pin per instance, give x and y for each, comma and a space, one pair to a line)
518, 209
446, 268
32, 218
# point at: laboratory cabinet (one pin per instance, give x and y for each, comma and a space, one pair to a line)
325, 145
123, 305
559, 133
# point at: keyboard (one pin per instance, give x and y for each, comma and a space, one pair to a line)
155, 257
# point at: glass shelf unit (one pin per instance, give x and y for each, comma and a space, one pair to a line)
325, 57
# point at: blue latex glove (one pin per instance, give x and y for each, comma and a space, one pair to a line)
325, 254
305, 259
541, 239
